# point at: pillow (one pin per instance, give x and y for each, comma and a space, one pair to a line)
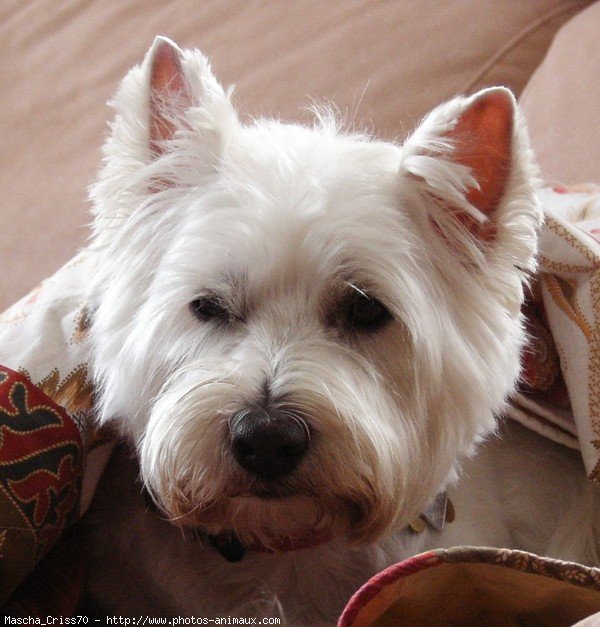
476, 586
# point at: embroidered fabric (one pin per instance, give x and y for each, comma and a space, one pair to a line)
44, 352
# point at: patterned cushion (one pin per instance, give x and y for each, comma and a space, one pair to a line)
40, 475
476, 587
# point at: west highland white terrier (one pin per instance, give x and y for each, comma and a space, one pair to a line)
302, 334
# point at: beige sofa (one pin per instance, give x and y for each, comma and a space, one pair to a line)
383, 62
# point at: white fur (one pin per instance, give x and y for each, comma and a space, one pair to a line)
278, 219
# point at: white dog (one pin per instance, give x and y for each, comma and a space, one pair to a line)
303, 334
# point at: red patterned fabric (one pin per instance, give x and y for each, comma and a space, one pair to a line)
40, 475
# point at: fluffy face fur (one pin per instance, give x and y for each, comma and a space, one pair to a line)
282, 230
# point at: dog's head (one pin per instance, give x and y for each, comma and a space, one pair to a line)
303, 330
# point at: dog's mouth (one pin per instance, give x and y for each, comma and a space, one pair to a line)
266, 493
268, 519
233, 550
228, 544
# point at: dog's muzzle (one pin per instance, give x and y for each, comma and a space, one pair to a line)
268, 444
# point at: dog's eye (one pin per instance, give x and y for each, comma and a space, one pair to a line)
209, 308
365, 312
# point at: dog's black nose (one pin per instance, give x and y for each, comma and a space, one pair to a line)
268, 444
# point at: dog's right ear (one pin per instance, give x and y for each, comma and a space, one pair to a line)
183, 96
173, 120
171, 102
170, 93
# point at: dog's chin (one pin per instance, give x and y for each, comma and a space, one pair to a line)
273, 523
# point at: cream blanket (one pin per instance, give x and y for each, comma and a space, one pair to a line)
50, 457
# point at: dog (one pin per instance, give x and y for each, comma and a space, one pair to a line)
302, 336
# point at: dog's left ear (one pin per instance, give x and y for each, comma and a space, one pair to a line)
466, 156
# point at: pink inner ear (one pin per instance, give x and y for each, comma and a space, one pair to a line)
170, 94
483, 141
